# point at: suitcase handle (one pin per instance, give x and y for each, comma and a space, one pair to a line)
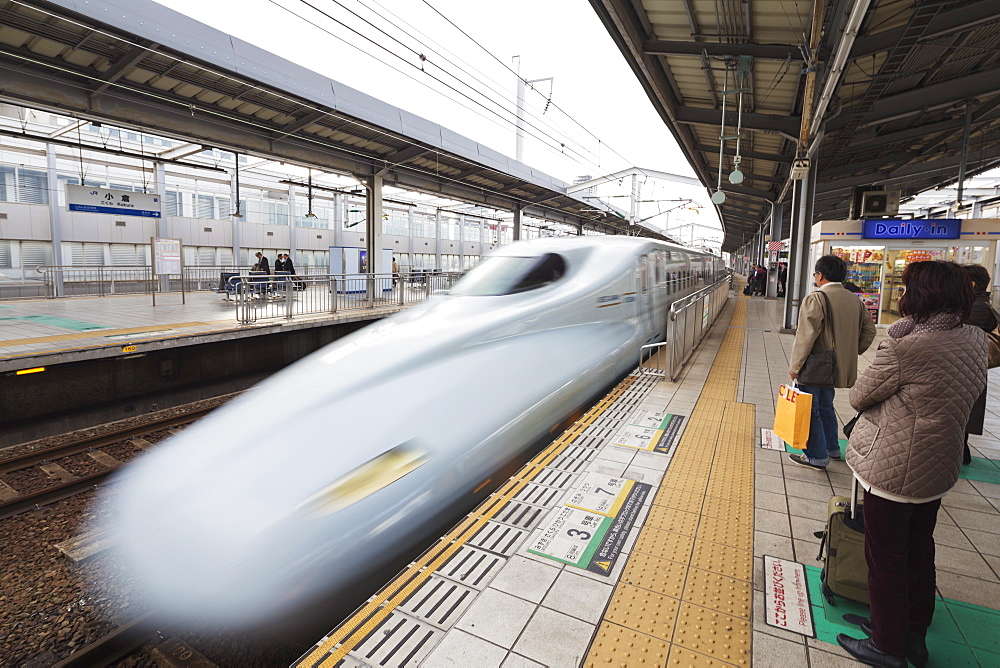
854, 497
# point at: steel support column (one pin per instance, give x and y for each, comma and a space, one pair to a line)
777, 210
517, 223
437, 240
234, 220
799, 270
160, 188
291, 223
373, 222
338, 218
55, 218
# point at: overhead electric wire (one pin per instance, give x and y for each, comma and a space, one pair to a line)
508, 68
423, 60
375, 160
483, 78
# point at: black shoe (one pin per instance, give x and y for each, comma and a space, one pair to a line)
916, 647
837, 456
866, 652
802, 460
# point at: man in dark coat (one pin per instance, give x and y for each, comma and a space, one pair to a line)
279, 263
262, 263
982, 316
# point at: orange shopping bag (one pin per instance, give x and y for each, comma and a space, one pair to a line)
792, 416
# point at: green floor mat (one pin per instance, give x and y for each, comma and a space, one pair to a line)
842, 443
962, 634
982, 470
62, 323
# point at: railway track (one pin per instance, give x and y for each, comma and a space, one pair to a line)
37, 478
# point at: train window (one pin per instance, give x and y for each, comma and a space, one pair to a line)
509, 275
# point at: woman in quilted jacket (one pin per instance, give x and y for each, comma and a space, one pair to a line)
906, 451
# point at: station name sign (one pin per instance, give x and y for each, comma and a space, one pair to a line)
113, 201
935, 228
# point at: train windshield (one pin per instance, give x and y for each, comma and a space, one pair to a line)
509, 275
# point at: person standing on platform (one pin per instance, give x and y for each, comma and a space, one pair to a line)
906, 452
279, 263
782, 277
395, 272
984, 318
852, 332
262, 263
289, 267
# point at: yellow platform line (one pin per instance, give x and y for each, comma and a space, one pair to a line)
345, 637
685, 595
99, 333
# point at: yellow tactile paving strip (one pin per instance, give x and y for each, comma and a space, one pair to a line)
685, 595
345, 637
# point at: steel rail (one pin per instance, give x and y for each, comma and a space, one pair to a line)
29, 459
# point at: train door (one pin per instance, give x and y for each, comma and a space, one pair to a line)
644, 301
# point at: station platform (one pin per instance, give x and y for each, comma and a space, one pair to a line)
41, 332
639, 538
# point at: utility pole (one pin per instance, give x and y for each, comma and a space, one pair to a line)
519, 125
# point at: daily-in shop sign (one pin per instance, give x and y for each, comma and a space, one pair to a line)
934, 228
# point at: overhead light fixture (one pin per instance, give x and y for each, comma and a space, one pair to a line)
309, 213
236, 156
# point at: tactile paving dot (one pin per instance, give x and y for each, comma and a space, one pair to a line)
728, 509
642, 610
684, 658
665, 544
723, 559
615, 645
718, 592
723, 489
654, 573
671, 519
681, 500
708, 632
685, 483
726, 532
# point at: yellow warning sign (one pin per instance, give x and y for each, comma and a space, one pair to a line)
605, 565
129, 349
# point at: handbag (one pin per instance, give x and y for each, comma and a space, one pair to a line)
820, 367
849, 427
793, 415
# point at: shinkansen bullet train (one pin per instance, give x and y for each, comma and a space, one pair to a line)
330, 466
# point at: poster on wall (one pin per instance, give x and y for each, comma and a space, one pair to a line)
110, 200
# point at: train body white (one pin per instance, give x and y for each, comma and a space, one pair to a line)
331, 465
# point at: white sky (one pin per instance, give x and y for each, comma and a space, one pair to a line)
563, 39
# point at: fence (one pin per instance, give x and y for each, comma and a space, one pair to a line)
262, 296
688, 320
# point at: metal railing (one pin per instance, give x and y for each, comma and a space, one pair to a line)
263, 296
688, 320
72, 281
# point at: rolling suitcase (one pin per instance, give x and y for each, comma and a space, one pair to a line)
748, 289
842, 549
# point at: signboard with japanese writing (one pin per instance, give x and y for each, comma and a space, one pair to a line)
588, 539
109, 200
166, 256
786, 596
600, 493
642, 433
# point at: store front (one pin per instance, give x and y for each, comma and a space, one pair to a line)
876, 252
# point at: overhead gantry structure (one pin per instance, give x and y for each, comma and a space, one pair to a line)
809, 101
136, 63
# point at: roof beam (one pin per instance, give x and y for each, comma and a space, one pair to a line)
756, 155
747, 191
917, 100
306, 120
178, 152
786, 125
118, 69
945, 23
408, 153
870, 139
758, 51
